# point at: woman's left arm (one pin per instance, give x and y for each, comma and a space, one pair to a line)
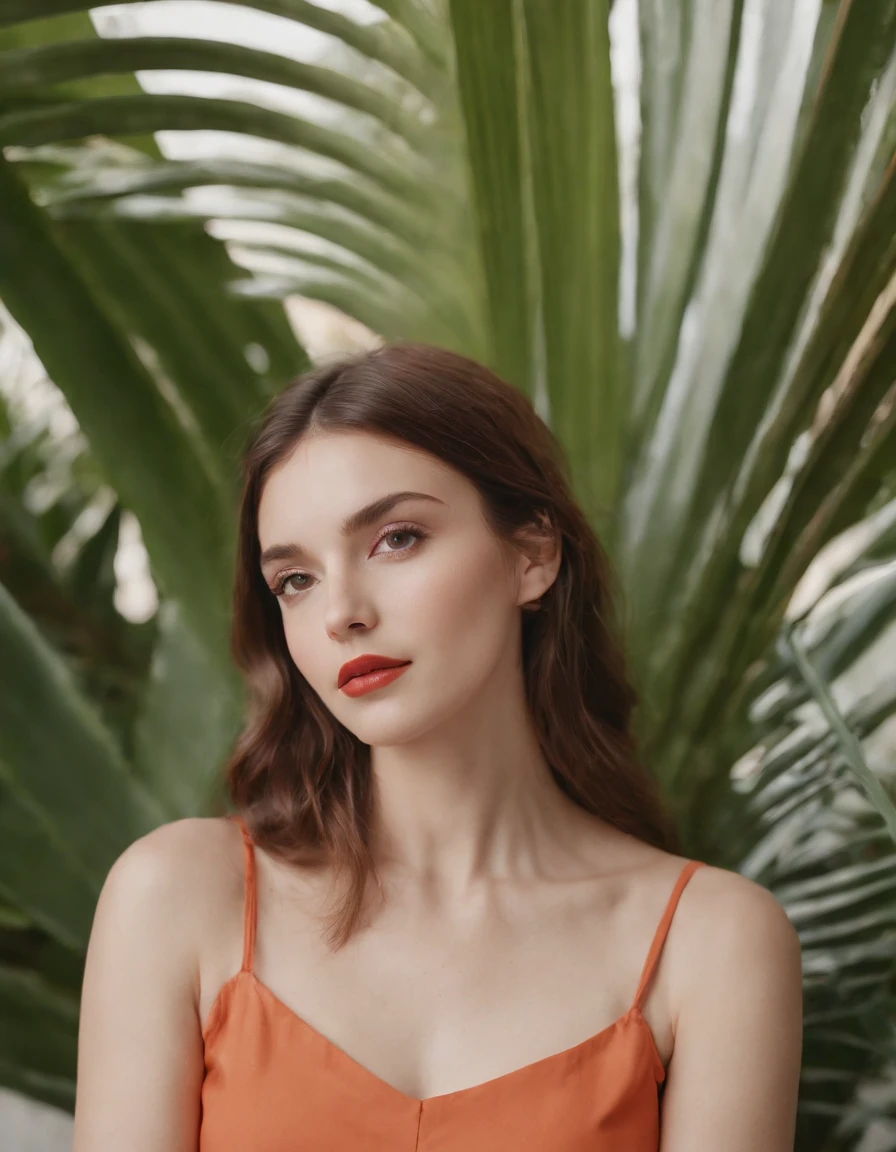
733, 1079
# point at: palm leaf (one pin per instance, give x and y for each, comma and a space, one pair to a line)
80, 347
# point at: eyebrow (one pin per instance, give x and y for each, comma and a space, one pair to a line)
353, 523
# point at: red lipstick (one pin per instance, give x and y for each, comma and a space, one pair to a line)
367, 672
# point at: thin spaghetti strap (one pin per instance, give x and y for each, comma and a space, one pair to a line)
659, 938
250, 902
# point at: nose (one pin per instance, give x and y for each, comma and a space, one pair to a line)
348, 608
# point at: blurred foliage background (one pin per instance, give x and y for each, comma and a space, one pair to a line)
688, 264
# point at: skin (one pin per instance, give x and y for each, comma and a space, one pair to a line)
513, 925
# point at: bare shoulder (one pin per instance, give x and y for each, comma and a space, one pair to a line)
169, 879
139, 1045
732, 936
736, 913
182, 851
722, 922
737, 1008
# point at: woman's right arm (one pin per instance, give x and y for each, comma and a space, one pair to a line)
140, 1058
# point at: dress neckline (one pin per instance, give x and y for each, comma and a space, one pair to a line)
246, 978
577, 1051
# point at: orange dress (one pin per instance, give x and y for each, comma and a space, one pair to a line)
274, 1083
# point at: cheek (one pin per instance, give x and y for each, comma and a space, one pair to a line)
299, 648
449, 602
309, 646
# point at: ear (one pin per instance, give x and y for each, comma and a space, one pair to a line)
540, 554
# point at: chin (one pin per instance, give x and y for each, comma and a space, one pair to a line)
408, 723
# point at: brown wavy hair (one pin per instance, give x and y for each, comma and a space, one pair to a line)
298, 777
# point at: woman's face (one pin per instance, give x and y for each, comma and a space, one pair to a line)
423, 581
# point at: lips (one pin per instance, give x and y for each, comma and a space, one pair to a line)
366, 663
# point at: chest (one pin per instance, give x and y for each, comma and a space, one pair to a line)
434, 1001
271, 1083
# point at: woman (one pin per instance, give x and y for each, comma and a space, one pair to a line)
435, 919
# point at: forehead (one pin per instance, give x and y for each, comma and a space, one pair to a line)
331, 474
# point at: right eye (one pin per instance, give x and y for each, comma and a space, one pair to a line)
280, 588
